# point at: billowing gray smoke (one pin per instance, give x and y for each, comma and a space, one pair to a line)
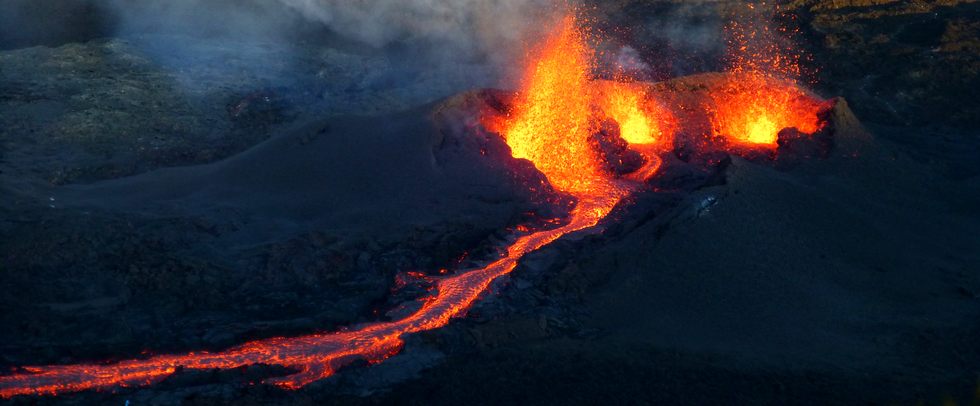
491, 28
238, 19
464, 43
449, 36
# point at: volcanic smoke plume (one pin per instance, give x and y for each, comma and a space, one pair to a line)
468, 41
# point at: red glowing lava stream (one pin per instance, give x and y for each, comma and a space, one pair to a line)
315, 356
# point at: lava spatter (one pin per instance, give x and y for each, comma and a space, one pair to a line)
762, 94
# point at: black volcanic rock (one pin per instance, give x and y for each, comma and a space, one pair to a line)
303, 232
614, 151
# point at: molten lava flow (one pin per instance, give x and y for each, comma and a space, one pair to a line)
314, 356
551, 128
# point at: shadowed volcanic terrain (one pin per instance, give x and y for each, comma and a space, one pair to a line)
154, 203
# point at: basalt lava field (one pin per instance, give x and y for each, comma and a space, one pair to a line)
467, 202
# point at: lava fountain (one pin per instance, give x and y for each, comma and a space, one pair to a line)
550, 126
752, 108
761, 96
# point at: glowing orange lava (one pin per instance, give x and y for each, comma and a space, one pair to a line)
560, 107
554, 118
314, 356
552, 121
762, 96
752, 108
641, 121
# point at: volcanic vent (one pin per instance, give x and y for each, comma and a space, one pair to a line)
594, 143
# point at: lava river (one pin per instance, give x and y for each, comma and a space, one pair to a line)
551, 123
315, 356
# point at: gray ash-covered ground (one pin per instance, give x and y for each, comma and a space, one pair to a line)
847, 280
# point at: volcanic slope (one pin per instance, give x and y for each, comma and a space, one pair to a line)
809, 280
845, 280
305, 231
863, 263
364, 174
